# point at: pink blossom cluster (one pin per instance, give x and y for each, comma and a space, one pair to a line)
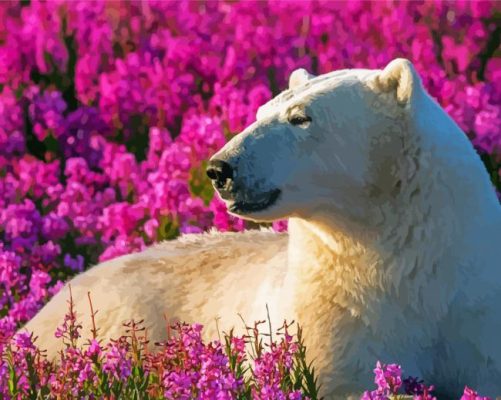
390, 385
109, 111
183, 367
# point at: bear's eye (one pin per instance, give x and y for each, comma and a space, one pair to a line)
299, 119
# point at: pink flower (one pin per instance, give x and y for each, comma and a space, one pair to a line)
470, 394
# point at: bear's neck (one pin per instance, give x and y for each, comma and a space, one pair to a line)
330, 264
411, 257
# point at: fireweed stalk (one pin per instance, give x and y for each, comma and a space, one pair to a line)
182, 367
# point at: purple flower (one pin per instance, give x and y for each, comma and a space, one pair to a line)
388, 377
117, 361
46, 112
78, 135
75, 264
12, 140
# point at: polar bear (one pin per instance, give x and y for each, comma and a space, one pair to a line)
392, 252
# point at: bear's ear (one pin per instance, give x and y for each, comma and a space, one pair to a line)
299, 77
401, 77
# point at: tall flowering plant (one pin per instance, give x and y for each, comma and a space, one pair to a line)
183, 367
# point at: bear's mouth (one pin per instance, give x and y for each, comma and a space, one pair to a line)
246, 207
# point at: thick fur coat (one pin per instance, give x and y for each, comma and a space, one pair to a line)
393, 245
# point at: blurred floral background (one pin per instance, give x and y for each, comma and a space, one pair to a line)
108, 111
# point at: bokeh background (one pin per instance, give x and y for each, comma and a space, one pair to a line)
108, 111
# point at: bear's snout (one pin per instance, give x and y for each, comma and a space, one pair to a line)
219, 172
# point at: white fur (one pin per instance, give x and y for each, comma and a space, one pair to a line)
393, 245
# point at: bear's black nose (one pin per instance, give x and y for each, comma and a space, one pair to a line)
219, 171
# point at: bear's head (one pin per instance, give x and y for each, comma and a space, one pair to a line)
328, 144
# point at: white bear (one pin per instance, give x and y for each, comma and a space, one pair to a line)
393, 245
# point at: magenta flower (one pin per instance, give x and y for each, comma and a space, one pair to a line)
388, 377
470, 394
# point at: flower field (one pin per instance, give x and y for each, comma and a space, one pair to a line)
108, 113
